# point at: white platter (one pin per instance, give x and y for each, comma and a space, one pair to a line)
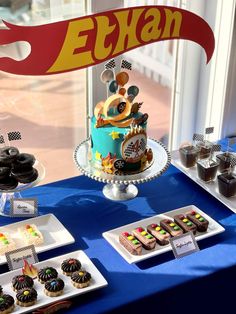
53, 231
112, 236
97, 281
210, 187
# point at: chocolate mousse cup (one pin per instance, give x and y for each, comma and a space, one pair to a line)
204, 149
207, 169
188, 155
224, 160
227, 184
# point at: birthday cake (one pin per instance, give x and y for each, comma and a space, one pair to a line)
118, 128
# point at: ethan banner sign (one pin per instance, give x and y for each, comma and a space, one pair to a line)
82, 42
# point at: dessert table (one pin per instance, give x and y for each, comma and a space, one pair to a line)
197, 283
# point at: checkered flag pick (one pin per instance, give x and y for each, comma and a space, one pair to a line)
126, 65
209, 130
14, 136
111, 64
216, 148
198, 137
233, 162
2, 141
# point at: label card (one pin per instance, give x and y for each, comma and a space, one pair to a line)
184, 244
24, 207
15, 258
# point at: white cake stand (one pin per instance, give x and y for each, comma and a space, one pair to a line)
7, 195
121, 187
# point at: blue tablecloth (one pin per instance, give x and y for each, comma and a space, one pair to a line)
190, 284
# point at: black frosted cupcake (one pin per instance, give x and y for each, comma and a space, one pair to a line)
81, 279
47, 273
6, 304
69, 266
26, 297
54, 287
21, 282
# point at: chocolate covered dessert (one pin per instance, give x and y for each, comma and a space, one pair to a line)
159, 233
46, 274
81, 279
148, 241
54, 287
227, 184
171, 227
6, 304
185, 223
201, 222
22, 281
189, 155
207, 169
130, 243
204, 149
70, 265
26, 297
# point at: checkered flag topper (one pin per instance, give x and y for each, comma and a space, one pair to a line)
216, 148
14, 136
233, 162
126, 65
198, 137
209, 130
2, 141
110, 64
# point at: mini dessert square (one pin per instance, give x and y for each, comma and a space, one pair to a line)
7, 304
130, 243
201, 222
6, 243
227, 184
207, 169
159, 233
54, 287
26, 297
81, 279
30, 234
171, 227
188, 155
185, 223
148, 241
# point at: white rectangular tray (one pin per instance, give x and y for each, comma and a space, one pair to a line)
53, 231
210, 187
97, 281
112, 236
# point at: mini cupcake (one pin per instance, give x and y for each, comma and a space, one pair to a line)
69, 266
54, 287
81, 279
6, 304
47, 273
26, 297
21, 282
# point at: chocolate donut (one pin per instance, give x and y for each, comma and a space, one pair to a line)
8, 155
25, 177
4, 172
26, 297
6, 303
9, 183
70, 265
47, 273
81, 279
23, 161
22, 281
54, 287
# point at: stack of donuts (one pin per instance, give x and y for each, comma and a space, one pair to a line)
16, 167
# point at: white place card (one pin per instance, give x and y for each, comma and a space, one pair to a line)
24, 207
184, 244
16, 258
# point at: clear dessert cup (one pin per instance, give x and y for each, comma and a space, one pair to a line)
188, 155
207, 169
204, 149
227, 184
224, 160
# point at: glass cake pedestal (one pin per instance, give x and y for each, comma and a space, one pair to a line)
7, 195
122, 187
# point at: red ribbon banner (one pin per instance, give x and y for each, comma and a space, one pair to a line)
82, 42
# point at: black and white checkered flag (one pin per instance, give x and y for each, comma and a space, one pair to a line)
14, 136
110, 64
126, 65
233, 162
198, 137
2, 141
209, 130
216, 148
